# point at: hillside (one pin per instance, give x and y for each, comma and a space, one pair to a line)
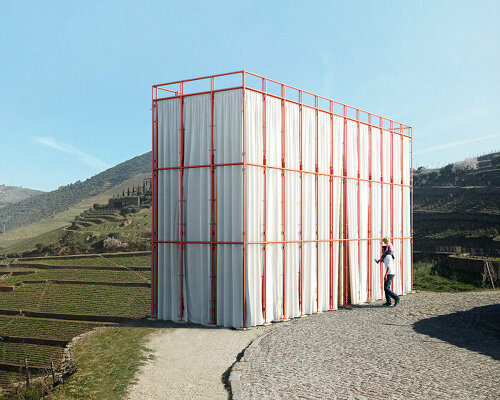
34, 209
456, 208
49, 230
14, 194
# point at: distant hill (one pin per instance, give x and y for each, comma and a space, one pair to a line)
13, 194
458, 206
45, 205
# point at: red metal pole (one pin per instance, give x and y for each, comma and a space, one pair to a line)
382, 187
358, 139
402, 217
264, 162
316, 103
370, 195
301, 264
331, 209
392, 187
154, 283
181, 217
411, 205
156, 204
344, 210
244, 205
283, 196
213, 246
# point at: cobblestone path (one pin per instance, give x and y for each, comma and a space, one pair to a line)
431, 346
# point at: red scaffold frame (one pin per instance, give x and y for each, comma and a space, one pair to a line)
177, 89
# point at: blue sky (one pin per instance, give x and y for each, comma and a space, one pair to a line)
76, 76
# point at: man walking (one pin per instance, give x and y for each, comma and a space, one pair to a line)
389, 272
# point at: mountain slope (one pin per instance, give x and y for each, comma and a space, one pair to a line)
45, 205
457, 206
13, 194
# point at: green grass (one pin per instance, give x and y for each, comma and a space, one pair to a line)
7, 377
84, 275
436, 276
107, 361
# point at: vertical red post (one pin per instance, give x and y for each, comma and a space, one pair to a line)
301, 264
382, 187
316, 105
331, 209
283, 195
411, 204
345, 243
402, 212
391, 132
264, 163
358, 140
370, 199
181, 206
154, 282
155, 204
213, 245
244, 200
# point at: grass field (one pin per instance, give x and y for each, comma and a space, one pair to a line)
71, 298
107, 361
435, 276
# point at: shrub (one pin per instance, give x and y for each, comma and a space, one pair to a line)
112, 243
467, 164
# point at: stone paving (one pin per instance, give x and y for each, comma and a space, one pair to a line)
431, 346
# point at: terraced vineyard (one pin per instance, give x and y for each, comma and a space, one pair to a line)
43, 328
79, 299
82, 275
87, 289
98, 261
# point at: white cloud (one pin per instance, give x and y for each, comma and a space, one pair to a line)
88, 159
457, 143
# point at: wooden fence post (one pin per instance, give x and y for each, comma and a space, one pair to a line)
27, 373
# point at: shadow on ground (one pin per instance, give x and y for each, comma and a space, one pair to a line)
476, 330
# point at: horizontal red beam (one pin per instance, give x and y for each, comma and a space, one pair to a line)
283, 85
271, 242
284, 169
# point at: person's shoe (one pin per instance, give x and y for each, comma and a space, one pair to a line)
386, 304
396, 302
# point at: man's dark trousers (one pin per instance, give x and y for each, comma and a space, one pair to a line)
387, 289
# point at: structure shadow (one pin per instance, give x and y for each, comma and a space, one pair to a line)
476, 330
161, 324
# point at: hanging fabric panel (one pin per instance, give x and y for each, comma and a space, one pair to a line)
229, 207
292, 210
364, 203
377, 280
352, 211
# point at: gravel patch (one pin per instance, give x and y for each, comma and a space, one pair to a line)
190, 362
431, 346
